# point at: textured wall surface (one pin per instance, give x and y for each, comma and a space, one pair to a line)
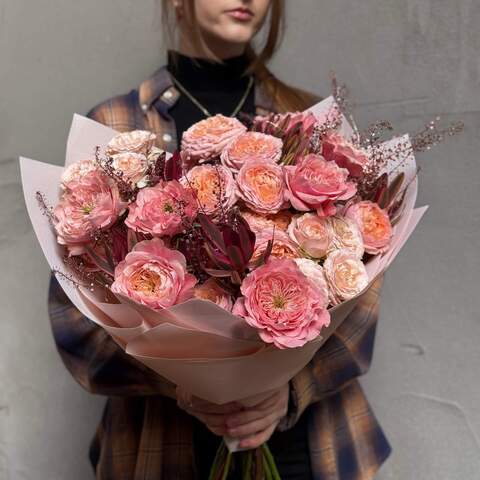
405, 61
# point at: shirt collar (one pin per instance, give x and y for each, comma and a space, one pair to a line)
160, 90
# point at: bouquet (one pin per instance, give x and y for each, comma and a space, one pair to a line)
226, 265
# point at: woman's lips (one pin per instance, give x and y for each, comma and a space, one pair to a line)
240, 14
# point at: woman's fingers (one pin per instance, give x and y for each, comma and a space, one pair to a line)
254, 426
258, 439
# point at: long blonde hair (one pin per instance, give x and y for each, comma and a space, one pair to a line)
286, 97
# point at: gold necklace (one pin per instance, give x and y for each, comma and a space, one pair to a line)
202, 108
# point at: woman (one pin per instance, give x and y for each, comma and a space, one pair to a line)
320, 424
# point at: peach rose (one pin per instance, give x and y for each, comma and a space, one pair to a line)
283, 246
262, 186
314, 272
346, 275
206, 139
312, 233
132, 166
346, 235
162, 209
259, 223
136, 141
214, 188
76, 171
374, 224
315, 183
90, 203
335, 148
211, 290
154, 276
251, 146
284, 305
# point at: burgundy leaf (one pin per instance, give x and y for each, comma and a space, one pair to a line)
217, 273
173, 167
100, 262
235, 255
212, 232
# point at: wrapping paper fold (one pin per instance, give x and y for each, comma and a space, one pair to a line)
197, 345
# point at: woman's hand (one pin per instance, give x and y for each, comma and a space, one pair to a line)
255, 425
212, 415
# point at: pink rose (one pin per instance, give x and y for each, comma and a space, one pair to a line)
76, 171
262, 186
346, 235
162, 209
335, 148
316, 184
213, 187
90, 203
312, 233
259, 223
314, 272
136, 141
374, 223
206, 139
154, 276
132, 166
283, 246
346, 275
211, 290
251, 146
284, 305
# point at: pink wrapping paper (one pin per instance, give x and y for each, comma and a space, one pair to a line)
196, 345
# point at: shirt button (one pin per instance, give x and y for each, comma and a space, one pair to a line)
168, 95
144, 107
167, 137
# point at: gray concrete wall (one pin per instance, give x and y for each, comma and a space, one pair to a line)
404, 61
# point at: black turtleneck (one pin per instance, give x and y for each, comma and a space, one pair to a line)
217, 86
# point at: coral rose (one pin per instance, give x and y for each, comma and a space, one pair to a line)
90, 203
211, 290
76, 171
132, 166
346, 275
213, 186
283, 246
259, 223
312, 233
162, 209
154, 276
251, 146
136, 141
262, 186
374, 224
314, 272
316, 184
284, 305
206, 139
335, 148
346, 235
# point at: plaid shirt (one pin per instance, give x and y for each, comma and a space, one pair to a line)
143, 435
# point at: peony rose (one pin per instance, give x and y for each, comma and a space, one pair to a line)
136, 141
346, 235
160, 210
259, 223
374, 224
314, 272
284, 305
211, 290
335, 148
251, 146
91, 202
316, 184
346, 275
131, 165
213, 186
283, 246
262, 186
312, 233
206, 139
154, 276
76, 171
